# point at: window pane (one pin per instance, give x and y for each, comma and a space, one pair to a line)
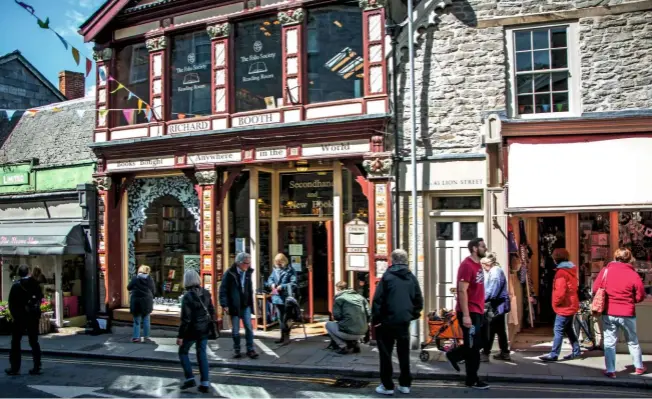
559, 59
457, 203
524, 61
468, 230
524, 84
525, 104
307, 194
541, 60
190, 67
444, 231
558, 37
541, 82
335, 64
540, 39
132, 70
258, 64
560, 81
560, 102
522, 41
542, 103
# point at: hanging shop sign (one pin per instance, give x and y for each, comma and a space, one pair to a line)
356, 241
141, 163
188, 127
271, 153
218, 157
341, 147
15, 179
258, 119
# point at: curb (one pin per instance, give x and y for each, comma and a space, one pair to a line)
311, 370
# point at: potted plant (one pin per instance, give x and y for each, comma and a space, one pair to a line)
5, 319
45, 324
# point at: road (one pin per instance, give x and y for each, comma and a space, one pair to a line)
66, 377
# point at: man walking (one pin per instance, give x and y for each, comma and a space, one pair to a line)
398, 301
470, 309
237, 300
25, 306
352, 315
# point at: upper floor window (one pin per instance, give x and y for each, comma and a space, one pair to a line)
335, 63
544, 81
258, 74
132, 70
190, 78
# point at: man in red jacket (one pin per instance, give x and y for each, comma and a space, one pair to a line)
624, 289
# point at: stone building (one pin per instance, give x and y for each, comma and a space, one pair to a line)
534, 111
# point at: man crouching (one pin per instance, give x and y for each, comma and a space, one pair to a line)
352, 315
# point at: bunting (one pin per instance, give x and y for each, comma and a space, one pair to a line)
140, 105
26, 6
10, 113
31, 112
89, 66
63, 41
148, 114
128, 113
75, 55
44, 24
102, 112
120, 86
130, 95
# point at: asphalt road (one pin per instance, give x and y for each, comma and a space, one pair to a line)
66, 377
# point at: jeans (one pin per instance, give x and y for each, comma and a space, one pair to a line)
564, 324
202, 359
611, 325
138, 320
469, 353
249, 332
387, 336
281, 318
490, 330
17, 333
340, 337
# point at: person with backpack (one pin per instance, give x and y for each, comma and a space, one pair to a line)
25, 299
141, 303
497, 305
282, 282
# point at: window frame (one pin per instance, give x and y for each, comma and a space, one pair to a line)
574, 71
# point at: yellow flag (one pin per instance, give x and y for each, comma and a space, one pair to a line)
120, 86
140, 105
56, 109
103, 112
75, 55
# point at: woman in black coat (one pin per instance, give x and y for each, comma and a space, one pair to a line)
197, 324
141, 303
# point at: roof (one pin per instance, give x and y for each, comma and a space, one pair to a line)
16, 55
54, 138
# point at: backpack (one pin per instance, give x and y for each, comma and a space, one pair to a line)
33, 305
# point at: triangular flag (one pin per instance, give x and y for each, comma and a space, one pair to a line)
131, 94
44, 25
80, 112
75, 55
103, 112
63, 41
56, 109
128, 113
102, 73
120, 86
148, 114
140, 105
111, 78
31, 112
89, 66
26, 6
182, 116
10, 113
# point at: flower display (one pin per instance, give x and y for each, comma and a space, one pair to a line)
4, 311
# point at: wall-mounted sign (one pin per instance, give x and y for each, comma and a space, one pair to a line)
218, 157
356, 234
340, 147
459, 174
381, 218
142, 163
258, 119
271, 153
295, 249
188, 127
357, 262
15, 179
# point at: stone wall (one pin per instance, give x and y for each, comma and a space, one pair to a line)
20, 89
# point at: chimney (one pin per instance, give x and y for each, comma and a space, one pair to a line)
71, 84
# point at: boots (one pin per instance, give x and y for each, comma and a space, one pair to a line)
282, 339
285, 338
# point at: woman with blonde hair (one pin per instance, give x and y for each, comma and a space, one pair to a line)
141, 303
497, 305
282, 281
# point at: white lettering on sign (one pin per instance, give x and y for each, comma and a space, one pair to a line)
272, 153
344, 147
145, 163
219, 157
188, 127
260, 119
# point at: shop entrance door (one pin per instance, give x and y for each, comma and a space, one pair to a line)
449, 248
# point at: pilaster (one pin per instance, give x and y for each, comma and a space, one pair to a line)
158, 86
220, 35
208, 184
293, 55
103, 60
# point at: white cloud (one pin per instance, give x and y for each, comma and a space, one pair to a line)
75, 16
90, 92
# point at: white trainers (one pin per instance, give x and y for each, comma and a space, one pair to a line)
381, 390
404, 390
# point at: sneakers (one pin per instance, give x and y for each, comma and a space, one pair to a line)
11, 371
135, 340
609, 375
188, 384
343, 351
484, 358
547, 358
381, 390
452, 362
203, 389
571, 357
503, 356
404, 390
252, 355
237, 355
640, 371
479, 385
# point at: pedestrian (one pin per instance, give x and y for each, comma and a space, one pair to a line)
282, 281
197, 316
397, 301
37, 274
141, 302
25, 299
352, 316
565, 303
470, 309
237, 300
497, 305
624, 289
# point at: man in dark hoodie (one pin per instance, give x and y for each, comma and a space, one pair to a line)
397, 301
25, 307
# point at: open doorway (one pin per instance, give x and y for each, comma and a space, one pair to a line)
551, 235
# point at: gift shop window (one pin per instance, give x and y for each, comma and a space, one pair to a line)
635, 233
132, 71
335, 63
595, 252
190, 75
544, 71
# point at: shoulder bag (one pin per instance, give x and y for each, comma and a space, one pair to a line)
600, 297
213, 329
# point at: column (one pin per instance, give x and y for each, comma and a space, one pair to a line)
338, 223
254, 248
102, 98
208, 184
292, 45
221, 99
158, 87
373, 33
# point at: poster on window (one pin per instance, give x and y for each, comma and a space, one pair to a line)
191, 75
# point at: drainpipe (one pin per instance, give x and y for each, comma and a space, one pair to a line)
393, 31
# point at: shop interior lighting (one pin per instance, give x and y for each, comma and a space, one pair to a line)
302, 168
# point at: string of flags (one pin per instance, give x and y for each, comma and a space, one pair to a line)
127, 112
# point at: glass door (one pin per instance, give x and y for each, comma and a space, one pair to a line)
296, 243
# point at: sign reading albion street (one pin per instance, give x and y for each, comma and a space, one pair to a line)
217, 157
141, 163
188, 127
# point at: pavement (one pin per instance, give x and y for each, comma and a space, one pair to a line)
309, 357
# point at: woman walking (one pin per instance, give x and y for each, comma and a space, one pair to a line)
624, 289
141, 303
197, 317
282, 281
497, 305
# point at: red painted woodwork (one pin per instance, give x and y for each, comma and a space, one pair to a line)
233, 173
366, 45
225, 67
299, 56
574, 127
330, 265
113, 251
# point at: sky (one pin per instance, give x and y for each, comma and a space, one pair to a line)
19, 30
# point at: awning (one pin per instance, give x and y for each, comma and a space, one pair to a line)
42, 239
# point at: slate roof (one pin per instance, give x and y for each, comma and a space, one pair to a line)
54, 138
16, 55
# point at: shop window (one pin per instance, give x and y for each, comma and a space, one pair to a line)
635, 233
132, 71
544, 71
239, 217
595, 253
457, 203
258, 75
190, 91
307, 194
354, 202
335, 63
265, 223
444, 231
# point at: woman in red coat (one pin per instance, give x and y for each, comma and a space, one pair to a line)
565, 303
624, 289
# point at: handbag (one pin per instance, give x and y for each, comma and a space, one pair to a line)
213, 329
600, 297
